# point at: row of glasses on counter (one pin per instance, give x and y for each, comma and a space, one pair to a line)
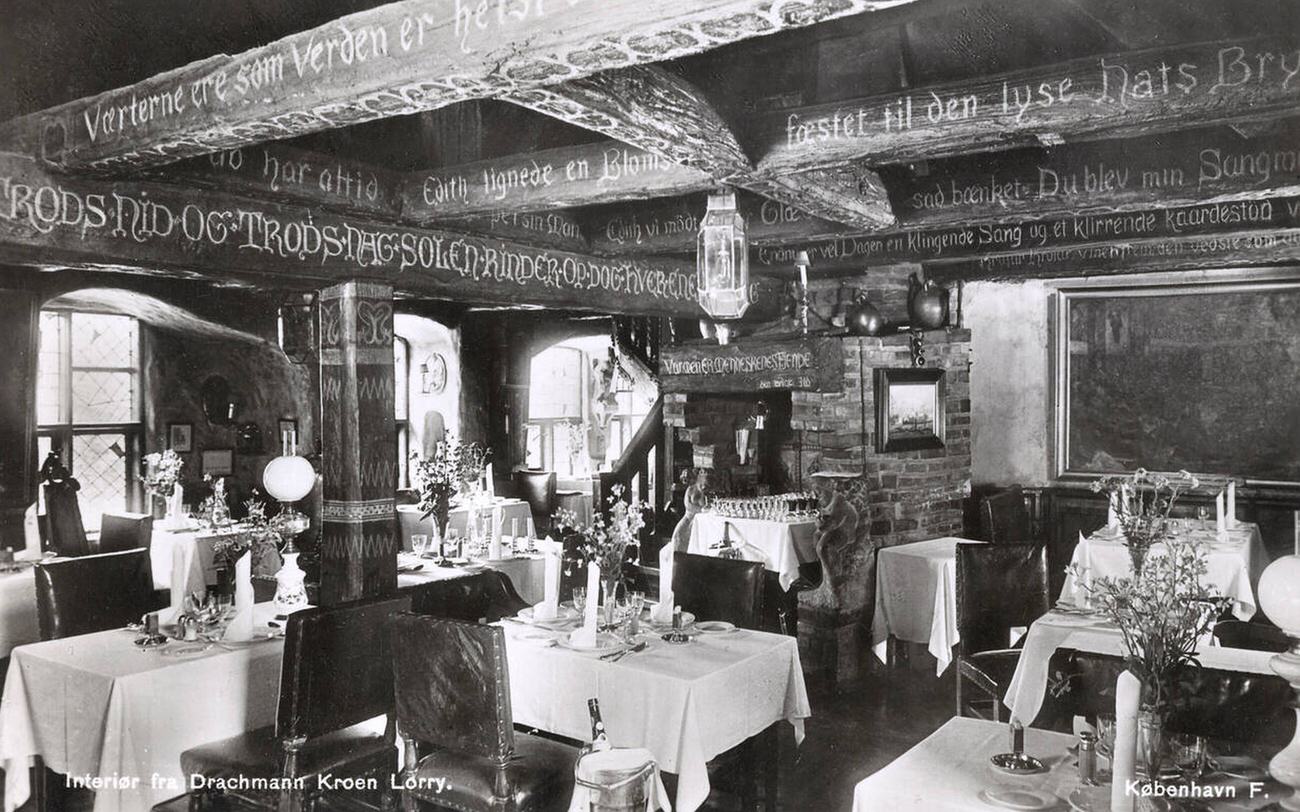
783, 507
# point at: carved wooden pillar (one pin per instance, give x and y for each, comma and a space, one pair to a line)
19, 330
359, 454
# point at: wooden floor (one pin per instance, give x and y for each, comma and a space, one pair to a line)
852, 734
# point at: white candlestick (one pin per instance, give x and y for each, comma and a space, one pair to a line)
1128, 692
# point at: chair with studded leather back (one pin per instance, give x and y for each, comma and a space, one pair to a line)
65, 532
93, 593
720, 589
537, 488
999, 587
336, 682
1004, 518
125, 531
453, 712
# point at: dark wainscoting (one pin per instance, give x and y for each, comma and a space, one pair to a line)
1060, 513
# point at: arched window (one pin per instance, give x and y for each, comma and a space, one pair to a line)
88, 406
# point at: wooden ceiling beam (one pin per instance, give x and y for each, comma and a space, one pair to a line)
1116, 95
664, 115
396, 59
60, 221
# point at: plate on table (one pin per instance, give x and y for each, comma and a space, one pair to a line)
1243, 767
1021, 798
688, 619
604, 642
533, 636
566, 616
715, 626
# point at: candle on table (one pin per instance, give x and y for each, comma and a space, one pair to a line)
1128, 691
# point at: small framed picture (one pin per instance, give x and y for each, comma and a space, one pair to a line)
909, 409
180, 437
218, 461
288, 431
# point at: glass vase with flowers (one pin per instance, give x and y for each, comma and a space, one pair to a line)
610, 541
162, 477
444, 475
1142, 502
1162, 612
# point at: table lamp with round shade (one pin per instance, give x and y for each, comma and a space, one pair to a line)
288, 478
1279, 597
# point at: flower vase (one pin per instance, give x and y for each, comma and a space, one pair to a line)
1150, 744
290, 593
241, 625
441, 516
174, 518
609, 590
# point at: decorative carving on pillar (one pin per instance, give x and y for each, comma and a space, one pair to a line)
359, 457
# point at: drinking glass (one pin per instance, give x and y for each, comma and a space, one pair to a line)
450, 543
1187, 752
1203, 514
580, 598
419, 544
1106, 734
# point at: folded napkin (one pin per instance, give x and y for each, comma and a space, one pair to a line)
241, 625
1232, 505
182, 559
1220, 519
1112, 510
585, 637
31, 537
549, 608
663, 612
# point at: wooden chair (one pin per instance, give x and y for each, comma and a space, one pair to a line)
999, 586
336, 679
720, 589
125, 531
485, 596
93, 593
1004, 518
65, 530
453, 708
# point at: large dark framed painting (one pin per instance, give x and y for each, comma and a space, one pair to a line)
1199, 377
909, 409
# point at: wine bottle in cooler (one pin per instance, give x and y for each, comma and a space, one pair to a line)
599, 739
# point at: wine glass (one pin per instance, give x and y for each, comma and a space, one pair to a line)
1203, 515
580, 599
419, 544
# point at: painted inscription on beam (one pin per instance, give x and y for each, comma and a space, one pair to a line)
1167, 170
918, 245
1113, 95
672, 226
569, 176
748, 366
148, 225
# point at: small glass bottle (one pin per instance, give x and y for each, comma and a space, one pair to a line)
1017, 737
1088, 758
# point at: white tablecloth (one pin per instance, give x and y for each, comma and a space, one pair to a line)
1091, 633
1233, 564
97, 706
504, 514
18, 621
781, 546
916, 597
685, 704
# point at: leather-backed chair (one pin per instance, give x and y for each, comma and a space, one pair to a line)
1219, 704
999, 587
93, 593
719, 589
125, 531
453, 703
1004, 518
1253, 636
537, 488
335, 680
488, 595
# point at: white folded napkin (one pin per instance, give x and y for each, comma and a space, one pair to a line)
586, 635
1220, 519
494, 548
549, 608
241, 626
1232, 505
663, 612
182, 560
1112, 511
31, 536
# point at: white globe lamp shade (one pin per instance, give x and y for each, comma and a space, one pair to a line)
288, 478
1279, 594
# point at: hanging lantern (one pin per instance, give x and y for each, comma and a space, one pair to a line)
722, 261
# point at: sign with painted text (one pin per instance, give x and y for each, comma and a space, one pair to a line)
750, 366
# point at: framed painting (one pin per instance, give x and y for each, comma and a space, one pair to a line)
218, 461
909, 409
180, 437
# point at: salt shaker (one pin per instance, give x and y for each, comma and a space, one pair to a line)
1088, 758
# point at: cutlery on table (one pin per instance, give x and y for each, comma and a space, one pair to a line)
615, 656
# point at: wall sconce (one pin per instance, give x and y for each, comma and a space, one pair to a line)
722, 259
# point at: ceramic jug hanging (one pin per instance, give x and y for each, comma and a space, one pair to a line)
927, 304
863, 318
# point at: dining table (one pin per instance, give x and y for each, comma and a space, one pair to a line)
1094, 633
780, 544
950, 771
526, 571
114, 717
685, 703
506, 514
1233, 561
18, 619
916, 597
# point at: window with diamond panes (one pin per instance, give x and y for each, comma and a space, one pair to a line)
88, 405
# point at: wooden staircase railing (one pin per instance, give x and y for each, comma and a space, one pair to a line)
643, 469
